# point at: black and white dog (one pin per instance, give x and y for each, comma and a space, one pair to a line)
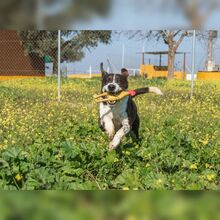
119, 118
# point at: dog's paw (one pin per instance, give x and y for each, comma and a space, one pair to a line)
113, 144
110, 137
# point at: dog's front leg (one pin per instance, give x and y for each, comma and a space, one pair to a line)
125, 129
109, 127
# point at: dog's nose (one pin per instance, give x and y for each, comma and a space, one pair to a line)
111, 87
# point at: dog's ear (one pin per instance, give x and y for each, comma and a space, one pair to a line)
124, 72
102, 70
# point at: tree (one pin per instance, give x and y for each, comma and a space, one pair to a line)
49, 14
197, 11
73, 43
171, 38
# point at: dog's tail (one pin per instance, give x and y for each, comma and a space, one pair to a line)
146, 90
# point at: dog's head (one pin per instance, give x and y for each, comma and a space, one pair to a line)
114, 83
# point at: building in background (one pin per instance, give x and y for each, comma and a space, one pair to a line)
13, 59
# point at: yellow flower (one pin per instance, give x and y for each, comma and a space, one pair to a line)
127, 152
147, 165
205, 142
159, 181
125, 188
210, 177
116, 160
136, 146
18, 177
208, 166
1, 146
193, 166
131, 218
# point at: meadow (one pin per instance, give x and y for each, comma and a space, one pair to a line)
49, 145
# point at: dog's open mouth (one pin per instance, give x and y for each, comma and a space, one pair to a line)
111, 102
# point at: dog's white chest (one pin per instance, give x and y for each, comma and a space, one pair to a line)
117, 113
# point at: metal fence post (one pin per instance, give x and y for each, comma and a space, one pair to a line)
59, 60
90, 71
123, 56
193, 62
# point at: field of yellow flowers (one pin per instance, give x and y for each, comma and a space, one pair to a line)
50, 145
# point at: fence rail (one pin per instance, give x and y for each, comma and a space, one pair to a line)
35, 53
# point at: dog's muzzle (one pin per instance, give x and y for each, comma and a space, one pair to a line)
111, 87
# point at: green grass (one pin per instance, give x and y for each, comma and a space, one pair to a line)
46, 145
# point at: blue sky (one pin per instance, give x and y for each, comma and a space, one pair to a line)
145, 14
137, 15
132, 60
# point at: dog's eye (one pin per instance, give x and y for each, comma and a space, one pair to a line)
109, 78
118, 78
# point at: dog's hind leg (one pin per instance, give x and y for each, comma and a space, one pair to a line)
135, 129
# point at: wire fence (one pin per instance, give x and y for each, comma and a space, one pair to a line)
54, 53
15, 60
35, 53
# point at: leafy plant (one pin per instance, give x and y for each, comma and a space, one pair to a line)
46, 145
